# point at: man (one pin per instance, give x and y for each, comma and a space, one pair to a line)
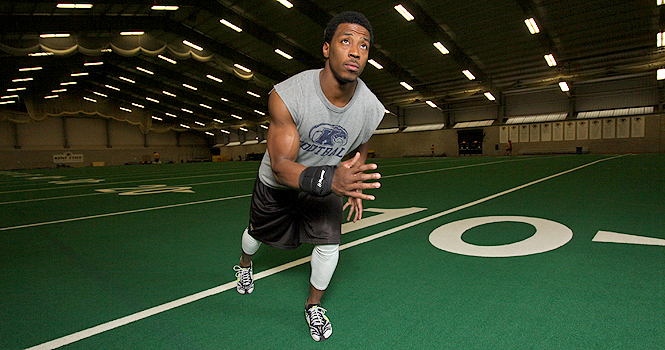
316, 118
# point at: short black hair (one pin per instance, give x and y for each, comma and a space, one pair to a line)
347, 17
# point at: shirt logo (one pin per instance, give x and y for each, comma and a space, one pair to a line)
328, 135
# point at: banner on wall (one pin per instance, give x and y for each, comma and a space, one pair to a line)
623, 128
546, 132
524, 133
609, 129
595, 129
569, 131
67, 157
514, 133
582, 130
637, 127
557, 131
503, 134
534, 133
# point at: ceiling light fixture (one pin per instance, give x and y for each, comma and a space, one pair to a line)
237, 117
152, 99
40, 54
21, 80
186, 110
242, 68
99, 93
259, 112
125, 109
90, 99
63, 35
286, 4
93, 64
74, 6
550, 60
406, 85
230, 25
68, 83
283, 54
145, 70
192, 45
224, 131
156, 118
167, 59
58, 90
171, 115
253, 94
137, 105
402, 11
79, 74
209, 133
136, 33
531, 24
127, 80
468, 74
112, 87
431, 104
185, 126
489, 96
16, 89
29, 69
212, 77
190, 87
441, 48
9, 96
164, 8
205, 106
169, 94
660, 74
243, 129
659, 39
199, 123
51, 96
218, 121
263, 126
564, 86
376, 64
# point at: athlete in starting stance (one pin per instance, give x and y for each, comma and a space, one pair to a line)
316, 118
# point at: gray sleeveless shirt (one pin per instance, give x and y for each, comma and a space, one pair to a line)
327, 133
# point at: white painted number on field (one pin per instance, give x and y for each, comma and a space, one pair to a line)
549, 236
147, 189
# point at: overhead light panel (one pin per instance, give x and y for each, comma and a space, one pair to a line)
469, 74
169, 94
63, 35
531, 24
212, 77
137, 105
564, 86
489, 96
112, 87
171, 115
242, 68
224, 99
7, 102
283, 54
659, 39
286, 4
74, 6
93, 64
259, 112
152, 99
9, 96
185, 126
209, 133
190, 87
263, 126
192, 45
243, 129
79, 74
230, 25
145, 70
125, 109
224, 131
441, 48
90, 99
660, 74
135, 33
21, 80
218, 121
29, 69
660, 2
99, 94
58, 90
186, 110
199, 123
402, 11
431, 104
406, 85
156, 118
164, 8
376, 64
205, 106
40, 54
50, 97
68, 83
127, 80
253, 94
167, 59
236, 116
16, 89
550, 60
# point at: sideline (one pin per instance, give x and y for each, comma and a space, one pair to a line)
86, 333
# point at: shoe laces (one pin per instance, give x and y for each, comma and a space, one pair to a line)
316, 316
244, 274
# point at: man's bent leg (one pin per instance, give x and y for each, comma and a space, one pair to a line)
244, 273
324, 262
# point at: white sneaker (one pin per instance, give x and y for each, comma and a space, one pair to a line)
245, 281
319, 324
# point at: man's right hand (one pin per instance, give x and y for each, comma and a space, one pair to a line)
350, 176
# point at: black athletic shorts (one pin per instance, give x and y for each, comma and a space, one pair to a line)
286, 218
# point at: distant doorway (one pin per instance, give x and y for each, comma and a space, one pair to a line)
470, 142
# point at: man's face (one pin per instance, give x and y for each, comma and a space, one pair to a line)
347, 52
